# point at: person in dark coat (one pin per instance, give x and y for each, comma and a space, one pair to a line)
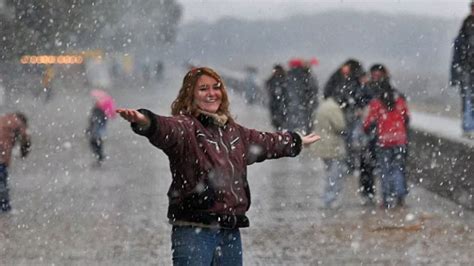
456, 70
344, 85
462, 71
302, 96
277, 88
209, 153
378, 72
335, 86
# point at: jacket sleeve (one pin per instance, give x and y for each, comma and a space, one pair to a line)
463, 44
264, 145
372, 116
338, 123
166, 133
313, 91
456, 66
404, 111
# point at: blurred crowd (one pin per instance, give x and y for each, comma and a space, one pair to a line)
361, 117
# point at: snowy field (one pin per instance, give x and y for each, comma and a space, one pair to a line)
70, 213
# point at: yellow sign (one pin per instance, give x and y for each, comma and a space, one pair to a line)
51, 59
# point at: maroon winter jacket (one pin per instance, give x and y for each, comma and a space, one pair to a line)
209, 165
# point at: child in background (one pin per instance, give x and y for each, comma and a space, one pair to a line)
103, 110
330, 124
389, 113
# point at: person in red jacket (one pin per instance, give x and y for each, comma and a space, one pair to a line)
388, 112
209, 153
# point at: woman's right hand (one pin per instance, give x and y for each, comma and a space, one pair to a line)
133, 116
310, 139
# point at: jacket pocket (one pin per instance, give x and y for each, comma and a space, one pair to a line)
202, 197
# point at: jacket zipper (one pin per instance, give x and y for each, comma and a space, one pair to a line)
231, 166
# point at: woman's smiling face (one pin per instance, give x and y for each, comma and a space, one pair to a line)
208, 94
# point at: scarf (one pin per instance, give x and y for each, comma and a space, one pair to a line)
217, 119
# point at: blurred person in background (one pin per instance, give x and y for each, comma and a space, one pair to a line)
3, 93
13, 129
345, 85
330, 124
462, 71
250, 84
277, 88
339, 83
102, 111
302, 95
146, 73
389, 113
209, 153
46, 82
159, 69
378, 72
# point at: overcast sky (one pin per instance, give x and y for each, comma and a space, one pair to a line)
211, 10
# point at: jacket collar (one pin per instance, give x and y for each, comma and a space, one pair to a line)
207, 118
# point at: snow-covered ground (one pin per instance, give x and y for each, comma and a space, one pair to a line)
69, 213
445, 127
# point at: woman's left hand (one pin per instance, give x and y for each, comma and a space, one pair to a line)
310, 139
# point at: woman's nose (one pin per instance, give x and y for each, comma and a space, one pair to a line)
212, 92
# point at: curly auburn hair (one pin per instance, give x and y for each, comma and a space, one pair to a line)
184, 102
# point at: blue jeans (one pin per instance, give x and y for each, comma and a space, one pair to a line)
97, 146
391, 166
354, 140
335, 172
4, 196
193, 245
467, 98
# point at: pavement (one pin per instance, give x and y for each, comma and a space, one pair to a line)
68, 212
